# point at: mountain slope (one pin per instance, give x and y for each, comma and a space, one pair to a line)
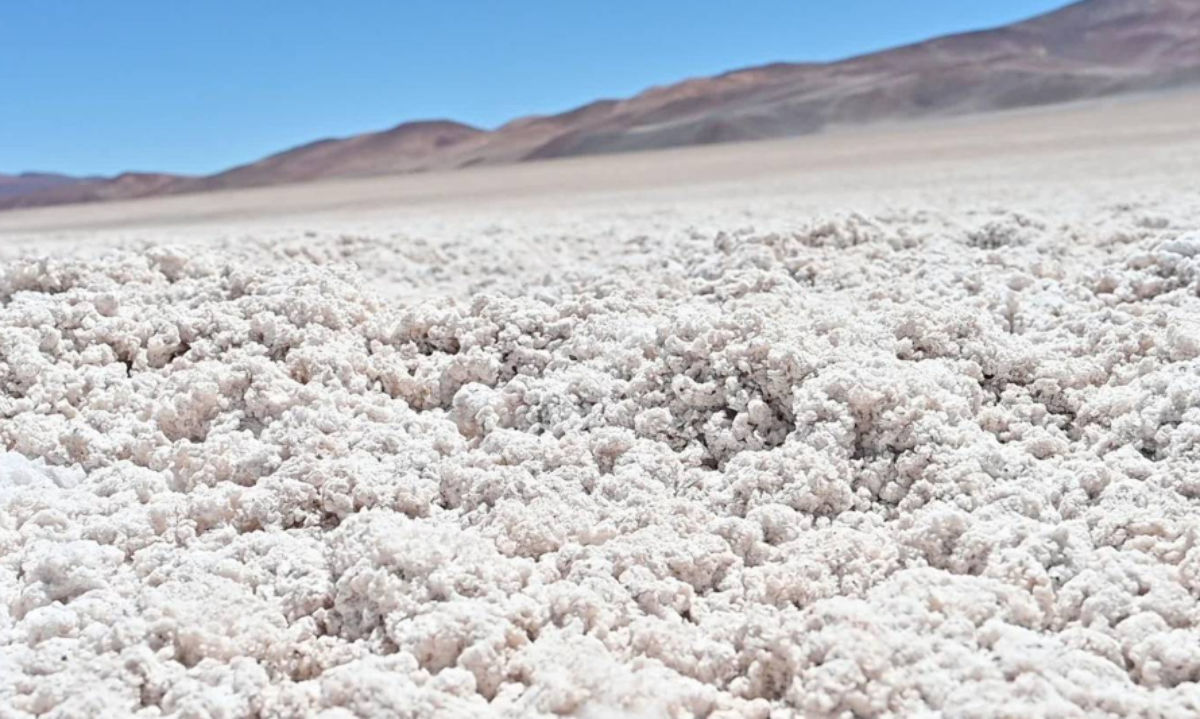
1088, 49
28, 183
405, 148
128, 185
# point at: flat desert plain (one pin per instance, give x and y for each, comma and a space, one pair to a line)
885, 421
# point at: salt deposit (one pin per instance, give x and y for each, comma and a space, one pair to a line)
859, 462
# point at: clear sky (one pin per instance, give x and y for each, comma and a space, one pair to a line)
102, 86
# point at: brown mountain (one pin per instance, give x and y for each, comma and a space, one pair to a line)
1088, 49
407, 147
29, 182
125, 186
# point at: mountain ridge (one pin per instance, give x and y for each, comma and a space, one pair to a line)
1088, 49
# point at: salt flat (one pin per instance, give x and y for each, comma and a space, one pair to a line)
885, 421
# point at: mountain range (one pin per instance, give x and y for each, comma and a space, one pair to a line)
30, 182
1088, 49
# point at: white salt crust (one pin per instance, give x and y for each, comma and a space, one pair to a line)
893, 464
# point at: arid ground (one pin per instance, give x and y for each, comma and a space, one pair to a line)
886, 421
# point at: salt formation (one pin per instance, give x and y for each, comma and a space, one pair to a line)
874, 465
16, 470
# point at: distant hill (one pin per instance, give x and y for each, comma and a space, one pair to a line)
405, 148
1089, 49
31, 182
125, 186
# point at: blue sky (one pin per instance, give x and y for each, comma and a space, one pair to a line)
93, 86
